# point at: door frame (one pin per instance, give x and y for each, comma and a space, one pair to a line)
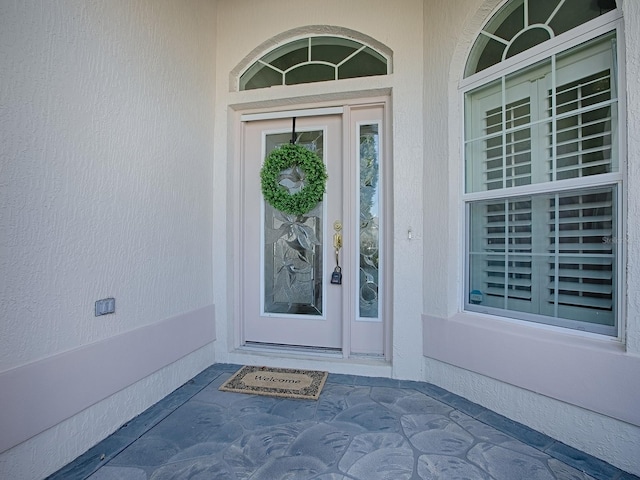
239, 117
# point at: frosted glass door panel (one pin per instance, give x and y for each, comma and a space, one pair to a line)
292, 262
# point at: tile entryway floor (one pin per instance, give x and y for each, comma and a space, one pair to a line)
360, 429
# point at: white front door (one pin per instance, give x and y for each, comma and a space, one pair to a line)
288, 260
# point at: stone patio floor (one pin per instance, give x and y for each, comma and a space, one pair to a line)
360, 428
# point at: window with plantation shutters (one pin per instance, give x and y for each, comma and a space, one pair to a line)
542, 182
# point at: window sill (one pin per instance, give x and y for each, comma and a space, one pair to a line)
589, 371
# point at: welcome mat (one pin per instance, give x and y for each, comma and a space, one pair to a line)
276, 382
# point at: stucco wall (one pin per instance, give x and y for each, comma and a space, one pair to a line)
114, 182
105, 191
631, 11
578, 389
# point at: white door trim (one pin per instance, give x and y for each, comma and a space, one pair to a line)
236, 332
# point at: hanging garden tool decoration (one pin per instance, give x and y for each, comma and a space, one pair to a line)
303, 169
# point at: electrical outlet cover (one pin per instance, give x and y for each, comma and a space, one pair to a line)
105, 306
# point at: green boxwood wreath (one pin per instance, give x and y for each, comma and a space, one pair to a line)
288, 156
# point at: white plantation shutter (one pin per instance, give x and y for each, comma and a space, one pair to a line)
583, 136
582, 274
508, 155
506, 241
582, 252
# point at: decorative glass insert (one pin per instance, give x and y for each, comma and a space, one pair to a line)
314, 59
369, 235
293, 243
522, 24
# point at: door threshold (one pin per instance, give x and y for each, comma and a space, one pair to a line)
312, 358
296, 349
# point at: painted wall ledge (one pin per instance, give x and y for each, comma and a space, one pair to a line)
40, 395
591, 373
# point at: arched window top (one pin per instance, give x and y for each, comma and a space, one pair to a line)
523, 24
314, 58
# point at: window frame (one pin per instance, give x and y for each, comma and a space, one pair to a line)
607, 23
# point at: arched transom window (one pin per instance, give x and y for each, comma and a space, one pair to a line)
522, 24
543, 163
314, 59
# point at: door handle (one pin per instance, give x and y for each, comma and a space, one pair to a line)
337, 241
336, 276
337, 236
